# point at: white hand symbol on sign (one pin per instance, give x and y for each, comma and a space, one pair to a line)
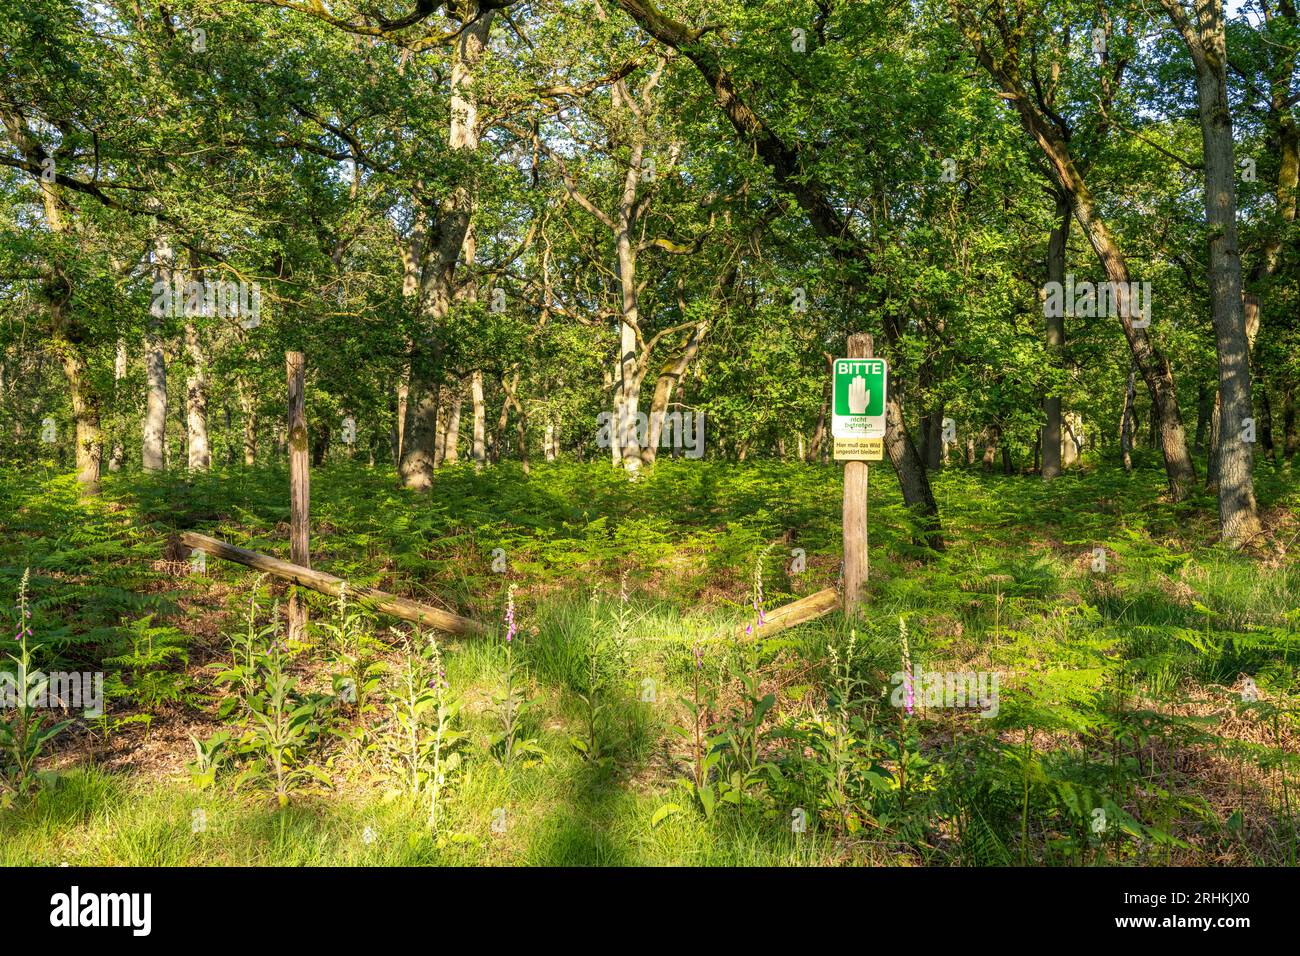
858, 396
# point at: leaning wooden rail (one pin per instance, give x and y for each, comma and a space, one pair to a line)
796, 612
401, 607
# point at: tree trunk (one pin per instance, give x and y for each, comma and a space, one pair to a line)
1072, 441
1290, 431
499, 435
1204, 409
511, 388
665, 386
521, 437
248, 408
1152, 364
1056, 247
1283, 132
320, 446
438, 276
912, 479
196, 403
118, 456
85, 417
992, 438
1126, 422
451, 438
1212, 447
440, 438
1265, 419
628, 439
67, 337
153, 451
548, 441
299, 485
480, 418
931, 416
819, 433
934, 443
413, 251
153, 456
403, 393
229, 420
616, 426
1206, 41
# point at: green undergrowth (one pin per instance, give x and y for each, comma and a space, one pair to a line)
1145, 709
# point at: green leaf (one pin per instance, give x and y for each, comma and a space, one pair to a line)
664, 812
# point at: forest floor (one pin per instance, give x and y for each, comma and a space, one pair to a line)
1145, 711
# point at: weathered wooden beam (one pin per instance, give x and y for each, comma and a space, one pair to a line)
796, 612
295, 364
857, 474
399, 607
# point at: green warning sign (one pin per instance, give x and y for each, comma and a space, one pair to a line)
859, 406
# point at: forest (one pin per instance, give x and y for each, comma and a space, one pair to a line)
427, 433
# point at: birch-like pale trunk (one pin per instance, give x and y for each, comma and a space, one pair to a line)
616, 426
299, 485
628, 439
480, 418
412, 253
196, 407
153, 452
451, 437
196, 402
117, 458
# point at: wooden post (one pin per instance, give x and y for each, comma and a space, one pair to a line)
299, 485
856, 476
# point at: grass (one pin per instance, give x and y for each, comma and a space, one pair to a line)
1123, 691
